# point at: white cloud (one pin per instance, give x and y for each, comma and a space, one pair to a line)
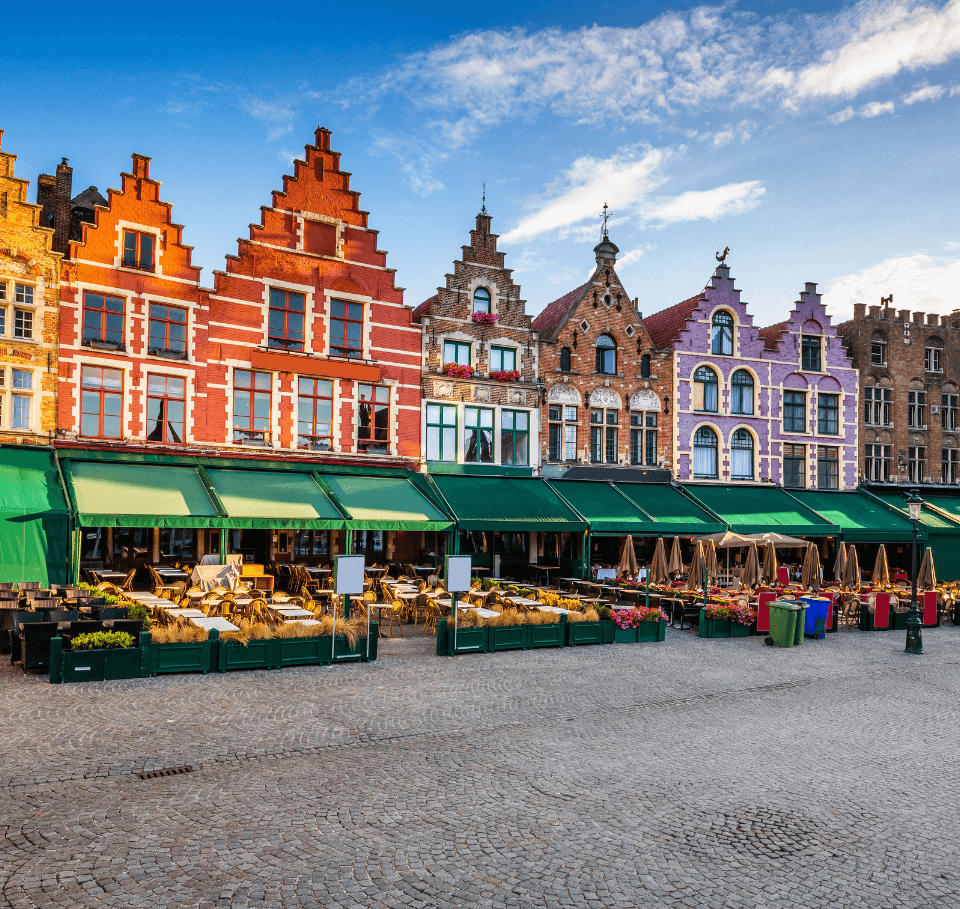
918, 282
742, 131
953, 245
876, 108
277, 114
711, 204
841, 116
416, 159
629, 258
925, 93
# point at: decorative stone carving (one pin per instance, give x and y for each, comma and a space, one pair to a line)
605, 397
564, 394
443, 389
645, 400
517, 396
481, 392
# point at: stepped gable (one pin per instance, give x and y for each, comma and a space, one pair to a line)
772, 334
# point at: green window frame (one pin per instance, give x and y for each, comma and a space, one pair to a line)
458, 352
441, 432
478, 435
515, 437
503, 359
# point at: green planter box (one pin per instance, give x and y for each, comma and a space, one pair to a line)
646, 632
508, 637
579, 633
548, 635
469, 640
608, 631
252, 655
898, 620
93, 665
344, 653
720, 628
201, 656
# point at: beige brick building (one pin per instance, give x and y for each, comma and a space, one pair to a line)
29, 307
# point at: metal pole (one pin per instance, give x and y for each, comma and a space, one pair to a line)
914, 639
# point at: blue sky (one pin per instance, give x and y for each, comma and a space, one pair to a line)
819, 142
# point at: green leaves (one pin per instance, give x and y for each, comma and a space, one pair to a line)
102, 640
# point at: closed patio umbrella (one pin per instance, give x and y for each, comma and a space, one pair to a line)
851, 574
927, 576
697, 568
750, 577
628, 560
658, 573
675, 562
810, 574
841, 563
881, 570
768, 574
710, 557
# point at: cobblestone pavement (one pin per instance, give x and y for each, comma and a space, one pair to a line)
692, 773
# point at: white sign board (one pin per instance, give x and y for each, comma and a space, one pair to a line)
349, 577
457, 573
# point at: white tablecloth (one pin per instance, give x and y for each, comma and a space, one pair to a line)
219, 623
206, 577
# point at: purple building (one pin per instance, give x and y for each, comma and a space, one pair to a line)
776, 404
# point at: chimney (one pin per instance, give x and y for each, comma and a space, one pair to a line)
860, 311
903, 315
53, 196
933, 318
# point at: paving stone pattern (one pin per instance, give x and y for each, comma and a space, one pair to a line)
694, 773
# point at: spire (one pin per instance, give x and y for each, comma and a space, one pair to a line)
603, 234
606, 250
483, 210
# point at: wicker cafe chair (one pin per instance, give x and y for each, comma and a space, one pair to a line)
434, 613
392, 614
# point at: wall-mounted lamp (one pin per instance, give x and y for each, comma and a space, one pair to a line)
666, 404
574, 339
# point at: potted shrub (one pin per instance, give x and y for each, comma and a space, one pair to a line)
95, 657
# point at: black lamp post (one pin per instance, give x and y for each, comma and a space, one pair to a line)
914, 640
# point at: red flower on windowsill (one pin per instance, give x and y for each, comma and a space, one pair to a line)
502, 375
484, 318
457, 371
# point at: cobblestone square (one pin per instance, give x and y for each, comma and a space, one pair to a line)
696, 773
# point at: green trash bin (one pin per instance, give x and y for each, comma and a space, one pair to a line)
801, 622
783, 622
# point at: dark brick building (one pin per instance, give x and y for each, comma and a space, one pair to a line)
910, 393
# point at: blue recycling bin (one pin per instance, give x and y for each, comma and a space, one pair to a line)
817, 610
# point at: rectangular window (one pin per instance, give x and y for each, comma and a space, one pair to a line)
933, 359
828, 414
636, 438
478, 435
346, 329
311, 543
604, 435
456, 352
101, 402
828, 467
22, 379
596, 436
287, 310
877, 403
503, 359
950, 459
810, 358
138, 250
21, 411
373, 419
916, 409
314, 414
166, 402
794, 411
514, 437
23, 324
251, 406
23, 294
168, 329
877, 462
563, 423
651, 439
441, 432
794, 466
948, 411
103, 319
878, 353
916, 463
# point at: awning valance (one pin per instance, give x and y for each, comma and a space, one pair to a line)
757, 509
267, 499
384, 503
607, 510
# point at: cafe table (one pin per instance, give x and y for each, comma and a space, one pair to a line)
208, 622
480, 611
522, 601
291, 611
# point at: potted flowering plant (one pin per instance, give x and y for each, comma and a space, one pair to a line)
642, 623
457, 370
484, 318
504, 375
726, 619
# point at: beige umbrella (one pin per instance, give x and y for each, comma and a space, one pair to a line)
851, 573
657, 572
927, 576
810, 574
841, 563
750, 577
728, 539
881, 570
675, 562
628, 560
698, 568
781, 541
710, 556
769, 573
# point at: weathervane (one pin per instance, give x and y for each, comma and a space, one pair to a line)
605, 216
483, 210
722, 257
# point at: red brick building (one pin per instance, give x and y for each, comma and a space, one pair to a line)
608, 388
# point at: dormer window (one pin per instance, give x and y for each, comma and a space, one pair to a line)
722, 334
481, 300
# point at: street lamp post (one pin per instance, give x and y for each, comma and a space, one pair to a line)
914, 639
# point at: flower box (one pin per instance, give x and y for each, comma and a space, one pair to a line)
197, 656
720, 628
548, 635
508, 637
484, 318
579, 633
93, 665
645, 632
509, 375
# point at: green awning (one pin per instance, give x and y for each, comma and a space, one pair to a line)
34, 518
928, 517
265, 499
757, 509
120, 494
673, 512
384, 503
607, 510
861, 519
507, 503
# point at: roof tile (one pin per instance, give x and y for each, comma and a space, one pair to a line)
424, 308
554, 314
772, 334
664, 327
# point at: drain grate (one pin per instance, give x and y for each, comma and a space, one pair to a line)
168, 771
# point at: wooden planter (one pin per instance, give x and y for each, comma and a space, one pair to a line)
508, 637
579, 633
720, 628
646, 632
93, 665
199, 656
252, 655
548, 635
469, 640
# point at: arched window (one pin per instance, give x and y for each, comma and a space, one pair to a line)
741, 392
722, 333
645, 366
741, 455
606, 356
705, 390
481, 300
564, 359
705, 454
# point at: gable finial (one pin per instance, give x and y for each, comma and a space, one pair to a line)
722, 257
483, 210
605, 217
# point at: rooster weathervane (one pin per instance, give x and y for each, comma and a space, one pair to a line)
722, 257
